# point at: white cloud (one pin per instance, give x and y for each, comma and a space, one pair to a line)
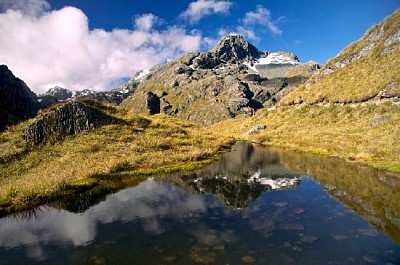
58, 48
27, 7
201, 8
146, 22
261, 16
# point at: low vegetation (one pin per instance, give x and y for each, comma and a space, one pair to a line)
366, 134
140, 145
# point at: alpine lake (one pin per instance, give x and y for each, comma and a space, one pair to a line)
256, 205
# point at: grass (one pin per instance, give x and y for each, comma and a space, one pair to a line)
142, 145
341, 131
361, 80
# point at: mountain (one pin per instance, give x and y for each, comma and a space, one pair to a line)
17, 101
231, 80
115, 96
366, 70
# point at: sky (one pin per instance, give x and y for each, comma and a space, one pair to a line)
86, 44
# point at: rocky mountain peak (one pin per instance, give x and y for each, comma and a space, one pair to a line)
233, 47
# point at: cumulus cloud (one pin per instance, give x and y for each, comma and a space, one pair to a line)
27, 7
58, 48
261, 16
201, 8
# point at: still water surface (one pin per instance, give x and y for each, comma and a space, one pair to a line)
254, 206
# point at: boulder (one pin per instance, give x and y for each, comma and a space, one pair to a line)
70, 118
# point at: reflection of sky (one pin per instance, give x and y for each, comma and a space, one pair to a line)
149, 202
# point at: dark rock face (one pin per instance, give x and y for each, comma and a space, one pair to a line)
17, 101
234, 48
153, 103
71, 118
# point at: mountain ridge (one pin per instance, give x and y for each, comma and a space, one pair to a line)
208, 87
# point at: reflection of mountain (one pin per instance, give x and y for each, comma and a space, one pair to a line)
371, 193
240, 176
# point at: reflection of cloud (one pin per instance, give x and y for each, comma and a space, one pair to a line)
150, 202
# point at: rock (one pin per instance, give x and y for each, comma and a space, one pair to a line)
248, 259
256, 129
369, 259
309, 239
234, 48
368, 232
252, 78
170, 258
17, 101
280, 204
206, 60
175, 83
298, 210
287, 244
71, 118
340, 237
297, 248
292, 226
378, 120
219, 247
201, 254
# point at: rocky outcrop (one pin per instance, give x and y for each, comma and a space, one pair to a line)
233, 48
208, 87
17, 101
70, 118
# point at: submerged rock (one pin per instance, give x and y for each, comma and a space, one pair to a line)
202, 254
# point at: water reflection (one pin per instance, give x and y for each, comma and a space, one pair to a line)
282, 218
240, 176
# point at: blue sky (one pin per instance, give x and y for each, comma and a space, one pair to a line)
96, 44
314, 29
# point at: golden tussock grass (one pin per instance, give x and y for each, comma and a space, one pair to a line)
141, 145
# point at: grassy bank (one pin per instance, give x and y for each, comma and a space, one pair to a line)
366, 134
118, 154
142, 145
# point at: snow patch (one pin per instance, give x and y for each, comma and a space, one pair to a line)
141, 75
276, 58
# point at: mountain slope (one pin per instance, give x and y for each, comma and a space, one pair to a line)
368, 69
17, 101
208, 87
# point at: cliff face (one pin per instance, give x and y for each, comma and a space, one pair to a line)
17, 101
68, 119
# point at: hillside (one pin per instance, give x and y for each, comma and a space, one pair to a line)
17, 101
233, 79
348, 109
368, 69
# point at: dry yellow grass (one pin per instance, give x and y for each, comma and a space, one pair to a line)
141, 145
366, 134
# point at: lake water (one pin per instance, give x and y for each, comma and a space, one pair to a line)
254, 206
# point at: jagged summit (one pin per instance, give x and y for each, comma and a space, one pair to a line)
233, 47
